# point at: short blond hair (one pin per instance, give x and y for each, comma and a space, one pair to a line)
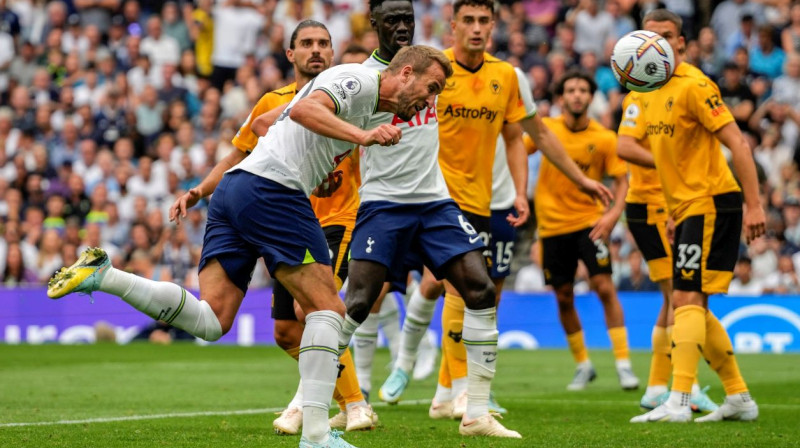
419, 57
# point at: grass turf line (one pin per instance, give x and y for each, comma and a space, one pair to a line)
51, 383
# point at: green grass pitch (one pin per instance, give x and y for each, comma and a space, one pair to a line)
124, 387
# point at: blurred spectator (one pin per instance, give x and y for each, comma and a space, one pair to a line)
767, 59
530, 278
175, 26
785, 279
736, 94
49, 259
724, 22
786, 87
790, 36
16, 272
236, 25
96, 12
712, 57
745, 37
743, 283
593, 27
637, 279
159, 47
23, 66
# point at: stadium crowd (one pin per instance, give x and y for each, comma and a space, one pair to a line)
110, 109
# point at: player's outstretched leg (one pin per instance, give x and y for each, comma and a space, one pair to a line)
468, 274
427, 352
160, 300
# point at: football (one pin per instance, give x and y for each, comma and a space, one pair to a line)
642, 61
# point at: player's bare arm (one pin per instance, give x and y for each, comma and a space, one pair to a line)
517, 158
629, 150
755, 221
602, 229
316, 112
206, 187
548, 143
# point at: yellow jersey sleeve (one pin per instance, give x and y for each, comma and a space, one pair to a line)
704, 103
633, 124
245, 140
614, 166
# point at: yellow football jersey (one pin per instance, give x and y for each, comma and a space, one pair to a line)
560, 206
472, 110
339, 209
644, 184
680, 120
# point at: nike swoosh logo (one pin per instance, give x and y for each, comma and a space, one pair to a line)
502, 268
474, 239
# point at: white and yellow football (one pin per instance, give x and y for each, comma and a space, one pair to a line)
642, 61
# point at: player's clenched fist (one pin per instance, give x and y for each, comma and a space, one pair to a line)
384, 135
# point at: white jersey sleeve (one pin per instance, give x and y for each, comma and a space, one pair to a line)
296, 157
355, 92
503, 192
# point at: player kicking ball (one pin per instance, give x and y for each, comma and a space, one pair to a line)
261, 209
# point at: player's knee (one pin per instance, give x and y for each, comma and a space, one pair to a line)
284, 335
358, 307
480, 296
605, 290
565, 296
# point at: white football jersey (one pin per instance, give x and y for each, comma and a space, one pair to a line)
503, 191
407, 172
298, 158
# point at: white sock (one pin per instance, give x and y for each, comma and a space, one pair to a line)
480, 339
623, 364
459, 385
390, 323
412, 288
319, 364
297, 400
418, 318
443, 394
349, 327
164, 301
366, 338
695, 389
654, 391
678, 400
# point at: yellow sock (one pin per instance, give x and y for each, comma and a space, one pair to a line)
619, 342
294, 352
660, 364
688, 340
347, 383
719, 353
452, 326
578, 346
444, 370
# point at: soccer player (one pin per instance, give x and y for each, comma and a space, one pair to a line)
481, 101
685, 122
310, 51
572, 227
405, 204
261, 209
646, 214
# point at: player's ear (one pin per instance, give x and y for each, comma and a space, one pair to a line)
290, 55
681, 44
407, 71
